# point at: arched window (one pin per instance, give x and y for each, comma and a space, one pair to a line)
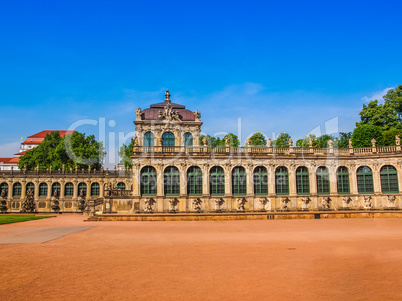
365, 180
171, 178
95, 189
82, 186
260, 181
239, 181
148, 139
69, 189
302, 180
31, 186
389, 179
322, 180
168, 139
121, 186
194, 181
56, 187
188, 139
42, 189
17, 187
4, 186
282, 180
342, 180
148, 181
217, 181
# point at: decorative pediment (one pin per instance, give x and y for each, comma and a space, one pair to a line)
169, 114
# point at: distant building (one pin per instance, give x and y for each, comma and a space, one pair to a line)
29, 143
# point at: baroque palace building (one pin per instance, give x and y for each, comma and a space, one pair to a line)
172, 172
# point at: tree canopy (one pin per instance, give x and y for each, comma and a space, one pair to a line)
282, 140
363, 134
70, 150
125, 153
216, 141
258, 139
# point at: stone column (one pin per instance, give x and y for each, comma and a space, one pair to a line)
292, 180
36, 193
88, 183
353, 180
75, 194
205, 180
101, 189
23, 189
62, 188
332, 180
183, 179
49, 190
160, 188
10, 189
271, 180
137, 180
376, 178
313, 179
250, 180
228, 180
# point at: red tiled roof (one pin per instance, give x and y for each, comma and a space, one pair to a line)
21, 153
14, 160
44, 133
38, 137
5, 160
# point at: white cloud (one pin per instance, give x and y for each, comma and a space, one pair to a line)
9, 149
376, 95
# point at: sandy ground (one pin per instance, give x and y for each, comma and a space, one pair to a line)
340, 259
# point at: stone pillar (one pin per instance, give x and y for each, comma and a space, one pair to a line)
250, 180
49, 190
10, 189
271, 180
88, 183
205, 180
36, 192
399, 170
353, 180
137, 181
376, 178
62, 189
228, 180
23, 189
101, 189
75, 194
160, 188
183, 179
332, 180
292, 180
313, 179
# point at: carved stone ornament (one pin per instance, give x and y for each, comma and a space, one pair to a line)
391, 201
173, 204
326, 203
284, 203
263, 202
149, 205
169, 114
397, 140
269, 142
197, 204
138, 113
350, 143
305, 202
205, 140
346, 201
197, 115
136, 140
218, 204
241, 204
367, 202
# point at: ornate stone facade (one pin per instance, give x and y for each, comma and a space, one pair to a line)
172, 172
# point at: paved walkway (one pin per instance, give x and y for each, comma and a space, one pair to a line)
340, 259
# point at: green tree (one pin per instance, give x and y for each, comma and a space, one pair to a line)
363, 134
305, 142
71, 150
216, 141
384, 115
258, 139
282, 140
343, 140
233, 140
389, 136
322, 141
125, 153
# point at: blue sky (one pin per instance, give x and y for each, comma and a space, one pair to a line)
270, 66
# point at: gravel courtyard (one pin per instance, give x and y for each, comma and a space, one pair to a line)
65, 258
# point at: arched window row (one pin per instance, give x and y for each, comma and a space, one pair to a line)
168, 139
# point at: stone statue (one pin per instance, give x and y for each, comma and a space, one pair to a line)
55, 199
167, 96
310, 142
269, 142
284, 204
205, 141
346, 201
290, 142
326, 203
197, 115
197, 204
169, 114
367, 202
373, 142
305, 202
227, 141
241, 204
218, 204
3, 202
160, 114
29, 203
173, 203
138, 112
81, 200
350, 143
391, 201
263, 202
149, 203
397, 140
136, 140
330, 143
248, 141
